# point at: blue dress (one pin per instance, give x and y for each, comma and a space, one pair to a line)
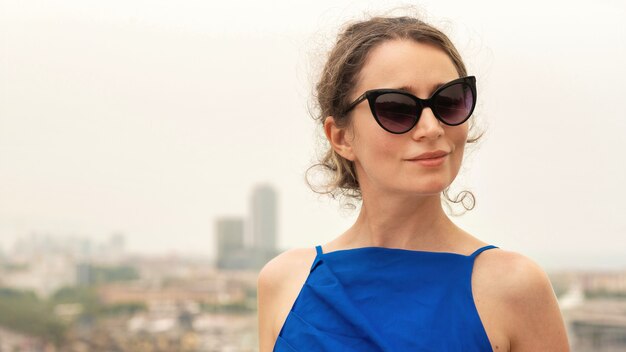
385, 300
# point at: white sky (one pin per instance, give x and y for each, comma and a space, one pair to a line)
156, 117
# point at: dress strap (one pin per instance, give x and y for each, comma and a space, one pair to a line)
318, 257
481, 249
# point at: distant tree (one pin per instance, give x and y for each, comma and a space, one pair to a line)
104, 274
23, 312
85, 296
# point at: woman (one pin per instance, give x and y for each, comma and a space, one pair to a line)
395, 102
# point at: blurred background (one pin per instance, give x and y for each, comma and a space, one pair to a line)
152, 159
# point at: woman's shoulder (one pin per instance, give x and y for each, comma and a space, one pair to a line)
282, 276
516, 274
526, 304
283, 266
278, 284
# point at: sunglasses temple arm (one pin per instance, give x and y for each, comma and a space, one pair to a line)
355, 103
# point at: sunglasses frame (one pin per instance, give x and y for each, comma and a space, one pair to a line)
372, 94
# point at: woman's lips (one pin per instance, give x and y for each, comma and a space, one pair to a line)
430, 162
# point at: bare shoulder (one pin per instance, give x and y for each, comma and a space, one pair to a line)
522, 290
278, 285
285, 265
515, 275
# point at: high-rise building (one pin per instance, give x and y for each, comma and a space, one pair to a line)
263, 223
84, 274
249, 244
263, 217
230, 243
117, 242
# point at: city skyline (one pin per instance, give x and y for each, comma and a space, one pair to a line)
196, 303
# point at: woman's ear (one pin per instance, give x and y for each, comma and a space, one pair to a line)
337, 138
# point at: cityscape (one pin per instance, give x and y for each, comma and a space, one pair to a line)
71, 293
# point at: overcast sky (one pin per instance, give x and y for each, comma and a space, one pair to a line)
154, 118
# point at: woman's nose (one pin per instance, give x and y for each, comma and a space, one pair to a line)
428, 126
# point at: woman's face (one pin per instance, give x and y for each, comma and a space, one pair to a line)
382, 159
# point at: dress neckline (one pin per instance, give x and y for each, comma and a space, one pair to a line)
400, 250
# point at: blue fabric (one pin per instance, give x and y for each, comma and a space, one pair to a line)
385, 299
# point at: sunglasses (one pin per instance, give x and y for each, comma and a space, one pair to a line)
397, 111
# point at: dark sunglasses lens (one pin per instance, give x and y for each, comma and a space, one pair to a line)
396, 112
454, 103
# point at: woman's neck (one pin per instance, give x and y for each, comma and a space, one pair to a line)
417, 224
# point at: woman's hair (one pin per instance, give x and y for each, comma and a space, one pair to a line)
339, 76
